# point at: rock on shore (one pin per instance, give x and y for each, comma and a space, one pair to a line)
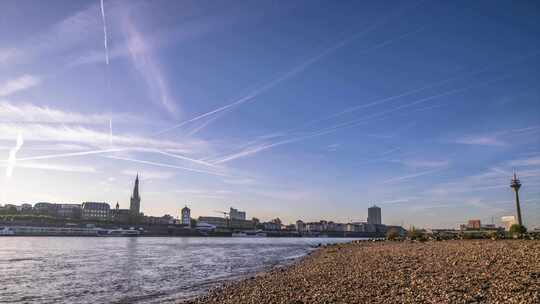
398, 272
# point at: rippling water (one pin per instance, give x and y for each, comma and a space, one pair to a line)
133, 270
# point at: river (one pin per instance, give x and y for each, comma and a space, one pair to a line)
134, 270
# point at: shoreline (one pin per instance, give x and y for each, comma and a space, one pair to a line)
458, 271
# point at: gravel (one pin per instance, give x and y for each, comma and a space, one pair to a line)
464, 271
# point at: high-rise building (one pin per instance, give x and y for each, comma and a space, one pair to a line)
516, 184
235, 214
186, 216
374, 215
135, 202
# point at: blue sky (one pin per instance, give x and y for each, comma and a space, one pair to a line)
291, 109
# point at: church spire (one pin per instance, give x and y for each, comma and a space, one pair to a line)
135, 202
136, 188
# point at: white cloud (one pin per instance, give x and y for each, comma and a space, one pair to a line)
94, 138
485, 140
531, 161
57, 167
31, 113
18, 84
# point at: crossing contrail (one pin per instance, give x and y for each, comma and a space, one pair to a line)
200, 162
105, 151
298, 69
349, 124
164, 165
12, 159
104, 32
63, 155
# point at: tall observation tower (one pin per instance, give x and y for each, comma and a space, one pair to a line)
516, 184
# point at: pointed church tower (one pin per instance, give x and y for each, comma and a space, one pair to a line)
135, 202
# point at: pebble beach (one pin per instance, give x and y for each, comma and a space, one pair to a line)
461, 271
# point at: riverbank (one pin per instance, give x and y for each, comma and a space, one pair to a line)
466, 271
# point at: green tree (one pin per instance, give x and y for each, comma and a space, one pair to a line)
517, 230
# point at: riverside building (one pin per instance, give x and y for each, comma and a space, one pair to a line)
96, 211
186, 216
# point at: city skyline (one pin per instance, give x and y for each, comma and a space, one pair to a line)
291, 110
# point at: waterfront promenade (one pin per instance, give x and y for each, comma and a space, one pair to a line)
484, 271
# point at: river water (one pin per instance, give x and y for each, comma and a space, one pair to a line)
134, 270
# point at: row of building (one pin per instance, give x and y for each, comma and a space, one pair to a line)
98, 211
507, 222
236, 220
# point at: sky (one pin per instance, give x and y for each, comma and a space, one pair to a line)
292, 109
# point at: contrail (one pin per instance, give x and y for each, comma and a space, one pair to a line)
62, 155
164, 165
201, 162
351, 123
423, 88
206, 123
110, 132
399, 178
104, 33
298, 69
12, 159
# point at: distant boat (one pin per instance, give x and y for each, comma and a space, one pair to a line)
122, 232
6, 231
66, 231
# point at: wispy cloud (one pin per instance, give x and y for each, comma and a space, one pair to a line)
56, 167
31, 113
498, 138
96, 138
484, 140
18, 84
145, 63
12, 158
